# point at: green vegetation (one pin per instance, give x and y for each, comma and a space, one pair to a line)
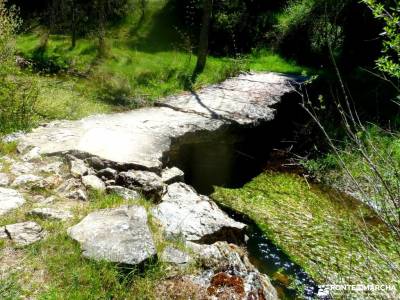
55, 269
329, 235
147, 59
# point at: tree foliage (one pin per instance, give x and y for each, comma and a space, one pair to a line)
389, 62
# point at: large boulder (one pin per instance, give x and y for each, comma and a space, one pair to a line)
9, 200
23, 234
149, 183
185, 213
119, 235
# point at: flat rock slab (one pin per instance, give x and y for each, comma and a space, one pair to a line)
184, 213
51, 213
139, 138
119, 235
10, 199
23, 234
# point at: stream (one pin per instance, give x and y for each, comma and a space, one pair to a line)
230, 158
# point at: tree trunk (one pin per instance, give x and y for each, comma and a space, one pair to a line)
73, 24
101, 29
203, 41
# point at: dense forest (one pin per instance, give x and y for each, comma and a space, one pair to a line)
318, 183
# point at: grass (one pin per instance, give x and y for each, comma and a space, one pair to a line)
322, 231
147, 59
55, 269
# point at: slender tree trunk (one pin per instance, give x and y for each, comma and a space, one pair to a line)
203, 41
101, 29
73, 24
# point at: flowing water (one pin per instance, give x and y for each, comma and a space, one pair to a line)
230, 158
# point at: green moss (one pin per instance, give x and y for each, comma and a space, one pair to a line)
320, 230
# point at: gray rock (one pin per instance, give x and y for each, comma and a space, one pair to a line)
119, 235
77, 195
4, 179
149, 183
174, 256
140, 138
54, 167
125, 193
172, 175
93, 182
227, 263
9, 200
23, 234
51, 213
107, 174
20, 168
78, 168
26, 180
69, 185
33, 154
185, 213
96, 163
13, 137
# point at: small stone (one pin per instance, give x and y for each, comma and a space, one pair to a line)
78, 168
33, 154
107, 173
9, 200
174, 256
109, 182
52, 167
125, 193
23, 234
172, 175
51, 213
20, 168
120, 235
52, 181
77, 195
149, 183
4, 179
27, 179
93, 182
69, 185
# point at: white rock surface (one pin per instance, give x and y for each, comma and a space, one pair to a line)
141, 137
51, 213
175, 256
78, 168
4, 179
26, 179
33, 154
183, 212
119, 235
93, 182
125, 193
10, 199
172, 175
20, 168
23, 234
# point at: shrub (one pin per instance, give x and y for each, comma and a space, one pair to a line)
17, 95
